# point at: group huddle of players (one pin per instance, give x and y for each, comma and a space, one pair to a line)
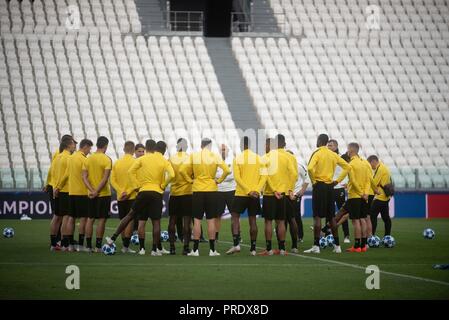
79, 184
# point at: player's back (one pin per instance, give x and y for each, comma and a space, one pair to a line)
152, 168
179, 185
96, 165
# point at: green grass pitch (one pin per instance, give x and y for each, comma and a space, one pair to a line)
28, 270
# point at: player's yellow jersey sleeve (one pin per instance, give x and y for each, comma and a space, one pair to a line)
76, 184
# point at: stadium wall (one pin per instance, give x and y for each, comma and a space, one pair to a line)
404, 205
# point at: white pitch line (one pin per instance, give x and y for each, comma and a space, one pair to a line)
349, 265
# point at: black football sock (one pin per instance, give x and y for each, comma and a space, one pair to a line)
154, 248
316, 241
235, 239
89, 243
196, 244
65, 241
159, 246
126, 242
240, 238
363, 242
212, 245
71, 240
142, 243
268, 243
337, 241
98, 242
53, 240
172, 243
294, 243
357, 243
282, 245
253, 245
58, 236
81, 239
114, 237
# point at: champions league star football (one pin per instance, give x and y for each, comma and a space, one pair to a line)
240, 150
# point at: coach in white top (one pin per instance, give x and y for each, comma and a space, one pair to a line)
226, 189
300, 188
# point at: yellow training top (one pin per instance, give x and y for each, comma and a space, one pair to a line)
61, 171
281, 171
180, 186
51, 171
152, 168
96, 165
204, 167
119, 177
359, 178
322, 165
75, 169
381, 177
250, 173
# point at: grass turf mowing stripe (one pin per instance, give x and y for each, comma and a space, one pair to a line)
342, 264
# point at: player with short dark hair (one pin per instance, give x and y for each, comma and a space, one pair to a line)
60, 193
125, 194
96, 172
321, 170
180, 202
204, 196
250, 175
152, 168
78, 193
281, 171
381, 177
150, 147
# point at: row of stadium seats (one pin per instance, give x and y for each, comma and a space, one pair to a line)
350, 19
60, 17
392, 106
123, 88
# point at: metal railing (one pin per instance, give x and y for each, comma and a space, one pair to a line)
243, 23
184, 21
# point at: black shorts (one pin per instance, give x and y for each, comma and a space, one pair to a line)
251, 204
291, 208
148, 204
323, 200
273, 208
99, 207
225, 199
64, 204
354, 207
124, 207
53, 203
365, 209
205, 202
180, 206
79, 206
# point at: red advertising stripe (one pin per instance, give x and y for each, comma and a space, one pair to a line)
438, 205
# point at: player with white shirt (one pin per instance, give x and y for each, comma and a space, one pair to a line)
226, 189
301, 185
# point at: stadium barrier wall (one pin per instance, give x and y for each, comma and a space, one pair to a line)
36, 205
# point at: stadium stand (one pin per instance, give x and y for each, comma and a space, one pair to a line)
386, 89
